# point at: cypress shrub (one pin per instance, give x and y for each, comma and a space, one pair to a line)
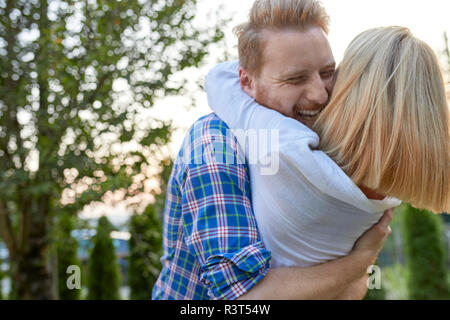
425, 256
1, 276
103, 268
66, 251
145, 250
376, 294
12, 295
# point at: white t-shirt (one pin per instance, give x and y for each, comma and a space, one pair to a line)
307, 209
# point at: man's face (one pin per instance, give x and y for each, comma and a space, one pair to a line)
297, 74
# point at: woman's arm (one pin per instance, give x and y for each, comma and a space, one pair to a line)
226, 98
239, 110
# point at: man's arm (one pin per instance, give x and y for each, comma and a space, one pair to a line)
219, 227
356, 291
342, 278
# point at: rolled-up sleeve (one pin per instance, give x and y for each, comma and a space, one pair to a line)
230, 275
220, 229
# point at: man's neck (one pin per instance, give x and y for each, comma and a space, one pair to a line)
371, 194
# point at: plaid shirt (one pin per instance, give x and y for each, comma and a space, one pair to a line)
212, 248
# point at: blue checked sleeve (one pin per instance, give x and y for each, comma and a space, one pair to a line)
220, 229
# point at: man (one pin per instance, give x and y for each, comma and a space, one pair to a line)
212, 248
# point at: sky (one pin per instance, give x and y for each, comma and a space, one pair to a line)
427, 20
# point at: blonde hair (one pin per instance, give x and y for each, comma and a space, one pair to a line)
275, 15
387, 123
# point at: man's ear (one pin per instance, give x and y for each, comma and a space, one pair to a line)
247, 84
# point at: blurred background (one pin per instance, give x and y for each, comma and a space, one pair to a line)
95, 99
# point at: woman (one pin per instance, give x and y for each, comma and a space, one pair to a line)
384, 133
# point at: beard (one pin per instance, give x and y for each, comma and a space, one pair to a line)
263, 97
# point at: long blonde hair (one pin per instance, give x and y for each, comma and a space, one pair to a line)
387, 123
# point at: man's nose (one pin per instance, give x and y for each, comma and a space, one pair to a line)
317, 91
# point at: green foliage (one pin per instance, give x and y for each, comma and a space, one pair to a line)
375, 294
75, 78
145, 250
145, 245
2, 275
422, 232
66, 252
395, 278
103, 269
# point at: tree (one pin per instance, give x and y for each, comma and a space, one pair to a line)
1, 274
425, 256
145, 245
103, 269
66, 253
75, 77
145, 250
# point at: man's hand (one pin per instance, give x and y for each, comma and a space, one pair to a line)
368, 246
343, 278
371, 242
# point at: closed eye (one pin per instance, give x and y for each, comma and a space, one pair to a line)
297, 79
327, 74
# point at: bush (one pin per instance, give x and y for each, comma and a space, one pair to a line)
145, 251
66, 251
395, 278
425, 256
103, 269
1, 278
